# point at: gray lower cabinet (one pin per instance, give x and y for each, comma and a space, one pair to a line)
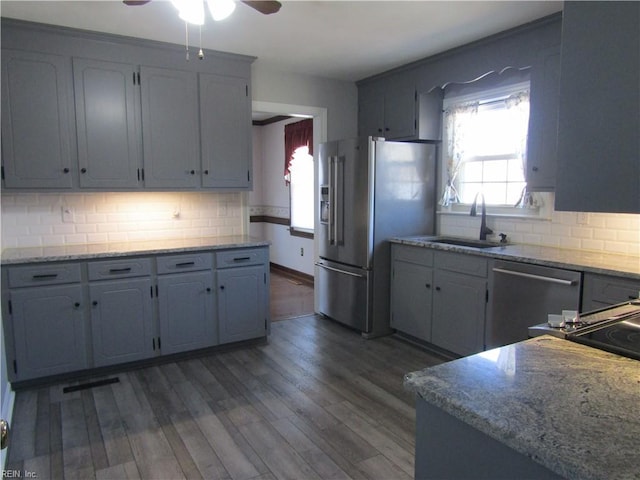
459, 304
225, 117
439, 297
62, 318
121, 321
600, 291
186, 310
170, 124
411, 290
49, 330
243, 295
121, 302
36, 128
45, 320
109, 139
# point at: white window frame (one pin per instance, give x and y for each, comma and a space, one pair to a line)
541, 210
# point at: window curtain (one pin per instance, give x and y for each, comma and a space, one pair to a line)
457, 121
296, 135
517, 106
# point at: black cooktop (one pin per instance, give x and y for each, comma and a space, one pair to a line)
621, 337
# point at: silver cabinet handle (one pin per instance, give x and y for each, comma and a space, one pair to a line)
339, 271
559, 281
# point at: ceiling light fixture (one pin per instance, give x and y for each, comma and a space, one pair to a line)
192, 11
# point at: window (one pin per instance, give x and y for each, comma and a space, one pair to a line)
485, 146
298, 173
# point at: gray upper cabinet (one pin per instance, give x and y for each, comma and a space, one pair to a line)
393, 109
542, 137
599, 110
225, 119
138, 108
36, 130
170, 128
107, 120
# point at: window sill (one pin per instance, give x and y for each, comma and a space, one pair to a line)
500, 212
296, 232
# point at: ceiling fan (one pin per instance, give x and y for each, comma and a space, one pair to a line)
266, 7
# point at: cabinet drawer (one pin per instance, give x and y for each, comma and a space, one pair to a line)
610, 290
107, 269
417, 255
240, 257
43, 274
184, 263
468, 264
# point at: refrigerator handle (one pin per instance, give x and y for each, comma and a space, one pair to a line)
339, 199
332, 200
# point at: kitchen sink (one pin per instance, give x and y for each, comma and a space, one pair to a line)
466, 242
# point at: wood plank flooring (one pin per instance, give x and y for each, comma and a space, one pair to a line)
315, 401
289, 297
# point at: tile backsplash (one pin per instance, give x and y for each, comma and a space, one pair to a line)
613, 233
51, 219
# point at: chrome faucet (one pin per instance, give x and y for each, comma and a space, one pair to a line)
484, 230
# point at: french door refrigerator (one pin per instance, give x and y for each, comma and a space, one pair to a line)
369, 191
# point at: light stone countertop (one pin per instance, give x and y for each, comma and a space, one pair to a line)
595, 262
572, 408
12, 256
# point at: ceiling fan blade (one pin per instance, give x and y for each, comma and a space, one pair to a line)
135, 3
267, 7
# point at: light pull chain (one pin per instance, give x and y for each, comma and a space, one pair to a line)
200, 53
186, 39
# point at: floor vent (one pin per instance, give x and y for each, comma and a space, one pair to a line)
84, 386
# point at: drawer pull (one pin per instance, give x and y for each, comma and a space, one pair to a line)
45, 276
120, 270
241, 259
185, 264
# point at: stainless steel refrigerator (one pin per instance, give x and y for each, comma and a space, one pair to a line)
370, 190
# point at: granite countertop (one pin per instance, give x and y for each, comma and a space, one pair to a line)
595, 262
569, 407
12, 256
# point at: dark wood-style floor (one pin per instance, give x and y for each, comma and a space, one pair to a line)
290, 297
315, 401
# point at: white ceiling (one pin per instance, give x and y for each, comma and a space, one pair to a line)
347, 40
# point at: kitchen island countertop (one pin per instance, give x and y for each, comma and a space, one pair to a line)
569, 407
604, 263
123, 249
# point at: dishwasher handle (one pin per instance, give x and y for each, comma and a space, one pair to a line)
532, 276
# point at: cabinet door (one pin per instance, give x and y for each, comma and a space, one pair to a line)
225, 123
458, 312
600, 291
170, 128
36, 130
121, 321
599, 110
187, 317
107, 120
400, 111
48, 326
411, 299
542, 138
370, 111
242, 302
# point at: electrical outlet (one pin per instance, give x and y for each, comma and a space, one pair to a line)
302, 251
176, 212
583, 218
67, 214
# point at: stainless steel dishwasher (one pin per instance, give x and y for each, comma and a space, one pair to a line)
522, 295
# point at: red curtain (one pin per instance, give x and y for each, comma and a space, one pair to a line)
296, 135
